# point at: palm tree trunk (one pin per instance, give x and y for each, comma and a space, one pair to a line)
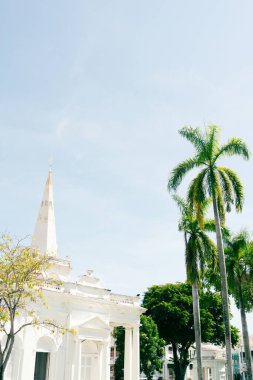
197, 327
245, 335
224, 290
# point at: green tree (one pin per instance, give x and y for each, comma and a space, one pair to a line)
21, 286
119, 335
151, 349
170, 306
223, 186
239, 262
199, 252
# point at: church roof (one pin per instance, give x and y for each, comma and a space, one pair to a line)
44, 237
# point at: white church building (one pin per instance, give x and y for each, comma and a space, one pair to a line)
82, 304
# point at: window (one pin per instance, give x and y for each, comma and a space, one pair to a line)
41, 366
86, 367
112, 353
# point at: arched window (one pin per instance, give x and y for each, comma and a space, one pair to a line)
45, 346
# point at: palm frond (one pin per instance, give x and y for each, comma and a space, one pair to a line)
215, 191
212, 141
239, 264
181, 203
195, 136
191, 260
180, 171
210, 182
239, 241
206, 202
231, 273
197, 196
234, 146
181, 225
226, 234
219, 196
210, 252
227, 189
209, 225
237, 187
210, 249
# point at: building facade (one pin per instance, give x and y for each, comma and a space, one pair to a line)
213, 364
83, 305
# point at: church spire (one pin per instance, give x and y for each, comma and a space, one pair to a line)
44, 237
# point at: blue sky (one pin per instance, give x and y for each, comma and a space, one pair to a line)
103, 87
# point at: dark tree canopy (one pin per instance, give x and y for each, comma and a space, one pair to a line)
119, 334
151, 347
170, 306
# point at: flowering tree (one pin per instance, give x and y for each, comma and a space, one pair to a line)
22, 280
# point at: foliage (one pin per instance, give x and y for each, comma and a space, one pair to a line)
213, 181
119, 335
170, 306
151, 349
200, 251
239, 261
223, 186
22, 280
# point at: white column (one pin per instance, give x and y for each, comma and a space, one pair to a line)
128, 353
136, 354
105, 361
68, 356
18, 364
77, 363
79, 366
29, 353
28, 364
52, 367
100, 361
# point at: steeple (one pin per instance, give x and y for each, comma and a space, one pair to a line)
44, 237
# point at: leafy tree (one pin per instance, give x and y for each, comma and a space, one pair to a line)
170, 306
151, 349
239, 262
223, 186
119, 334
199, 251
21, 286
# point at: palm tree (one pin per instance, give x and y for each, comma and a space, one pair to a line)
223, 186
239, 263
199, 250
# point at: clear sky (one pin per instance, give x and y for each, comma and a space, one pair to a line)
103, 87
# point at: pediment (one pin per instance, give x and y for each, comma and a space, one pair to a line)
94, 323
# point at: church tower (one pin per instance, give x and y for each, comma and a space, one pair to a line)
44, 237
